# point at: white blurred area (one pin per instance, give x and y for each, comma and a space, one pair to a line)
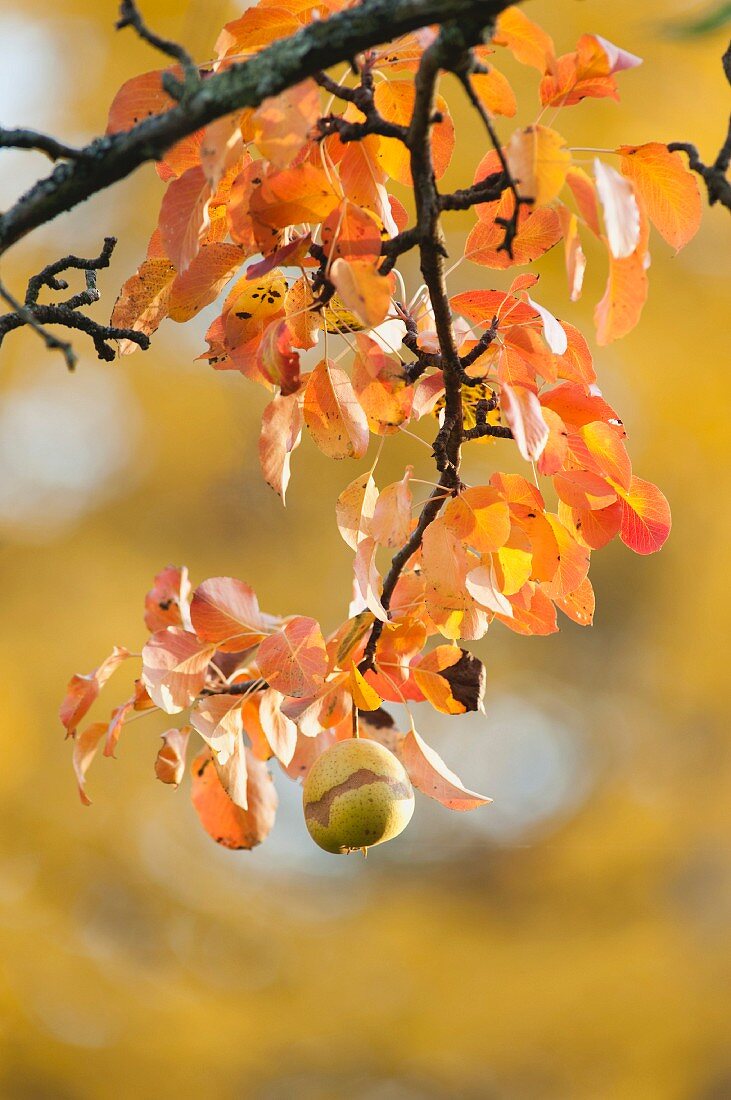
66, 446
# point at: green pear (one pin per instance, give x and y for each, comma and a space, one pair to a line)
356, 794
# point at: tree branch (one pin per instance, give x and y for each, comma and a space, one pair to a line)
318, 46
713, 175
65, 314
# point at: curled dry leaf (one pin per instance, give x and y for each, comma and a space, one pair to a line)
451, 679
170, 760
86, 744
168, 601
281, 434
522, 411
82, 690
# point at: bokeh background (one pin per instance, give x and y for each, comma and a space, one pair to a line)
572, 939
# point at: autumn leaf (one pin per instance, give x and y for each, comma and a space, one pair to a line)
281, 434
332, 413
355, 508
174, 664
225, 612
219, 721
621, 212
451, 679
538, 160
85, 748
480, 517
280, 731
229, 824
362, 289
392, 519
430, 775
646, 517
82, 690
527, 41
522, 411
168, 601
667, 188
170, 760
294, 659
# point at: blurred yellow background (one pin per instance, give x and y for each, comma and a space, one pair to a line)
572, 939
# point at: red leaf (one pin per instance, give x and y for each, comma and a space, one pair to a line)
646, 519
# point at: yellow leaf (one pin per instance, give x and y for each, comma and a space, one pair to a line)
539, 160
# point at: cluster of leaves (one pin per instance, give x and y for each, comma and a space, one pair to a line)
297, 202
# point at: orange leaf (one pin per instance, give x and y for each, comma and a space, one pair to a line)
351, 233
82, 690
495, 93
294, 659
139, 99
538, 161
394, 99
184, 216
579, 605
362, 289
170, 760
538, 231
430, 775
480, 517
225, 612
281, 433
527, 42
333, 416
378, 381
667, 188
144, 300
444, 562
227, 823
451, 679
573, 564
283, 123
85, 747
391, 523
646, 519
174, 664
276, 359
355, 508
209, 271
